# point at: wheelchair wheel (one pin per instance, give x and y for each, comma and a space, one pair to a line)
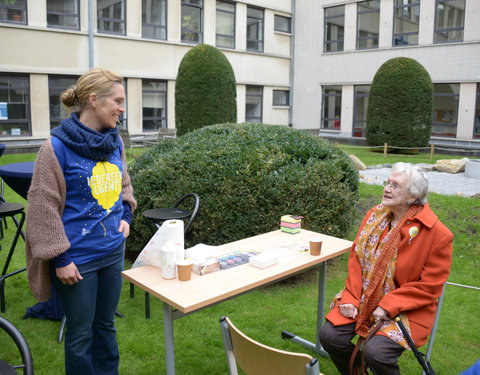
17, 337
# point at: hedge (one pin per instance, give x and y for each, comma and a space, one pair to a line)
205, 90
400, 105
247, 177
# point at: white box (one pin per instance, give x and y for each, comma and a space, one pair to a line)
263, 260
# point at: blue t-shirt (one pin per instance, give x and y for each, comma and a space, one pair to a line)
93, 206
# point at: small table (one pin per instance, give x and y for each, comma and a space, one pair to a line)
18, 176
181, 298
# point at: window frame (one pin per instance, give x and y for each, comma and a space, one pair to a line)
261, 29
56, 91
155, 27
184, 5
395, 36
285, 93
448, 29
65, 14
231, 37
476, 120
163, 119
323, 118
260, 95
113, 21
363, 12
13, 11
289, 31
329, 42
356, 96
438, 123
28, 119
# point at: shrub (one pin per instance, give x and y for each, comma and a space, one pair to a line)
400, 105
247, 177
205, 90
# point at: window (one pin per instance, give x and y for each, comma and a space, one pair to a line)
225, 23
405, 24
281, 97
154, 19
334, 28
368, 23
449, 18
192, 21
56, 86
283, 24
445, 109
154, 105
14, 105
476, 127
254, 29
111, 16
360, 110
332, 107
63, 14
13, 11
253, 104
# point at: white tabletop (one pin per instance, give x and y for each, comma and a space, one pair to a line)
202, 291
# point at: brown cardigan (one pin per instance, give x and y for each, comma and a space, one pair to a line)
45, 234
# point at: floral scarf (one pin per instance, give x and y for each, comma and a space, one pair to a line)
378, 262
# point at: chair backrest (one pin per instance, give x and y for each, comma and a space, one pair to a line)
255, 358
17, 337
165, 133
195, 209
125, 137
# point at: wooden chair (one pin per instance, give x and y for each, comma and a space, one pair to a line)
255, 358
163, 135
127, 141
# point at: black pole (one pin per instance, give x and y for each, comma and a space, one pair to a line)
425, 364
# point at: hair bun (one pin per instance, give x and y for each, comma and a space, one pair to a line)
69, 97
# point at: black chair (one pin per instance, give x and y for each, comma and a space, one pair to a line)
10, 210
158, 216
27, 360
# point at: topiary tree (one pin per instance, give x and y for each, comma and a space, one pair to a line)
400, 105
247, 177
205, 90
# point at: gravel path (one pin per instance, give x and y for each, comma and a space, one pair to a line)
438, 182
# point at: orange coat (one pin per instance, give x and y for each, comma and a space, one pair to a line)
423, 266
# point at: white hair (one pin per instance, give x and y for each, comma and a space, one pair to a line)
418, 182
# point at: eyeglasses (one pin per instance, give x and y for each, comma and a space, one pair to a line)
393, 185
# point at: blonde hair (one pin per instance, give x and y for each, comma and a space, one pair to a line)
99, 81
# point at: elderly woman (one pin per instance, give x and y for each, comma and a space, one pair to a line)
398, 264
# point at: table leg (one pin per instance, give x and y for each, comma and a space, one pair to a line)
168, 336
317, 347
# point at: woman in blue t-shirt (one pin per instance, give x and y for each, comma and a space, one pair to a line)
78, 216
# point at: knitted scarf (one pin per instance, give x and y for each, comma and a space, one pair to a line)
378, 261
85, 141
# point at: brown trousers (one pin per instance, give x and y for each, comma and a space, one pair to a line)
381, 354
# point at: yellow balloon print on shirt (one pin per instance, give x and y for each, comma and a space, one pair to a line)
106, 184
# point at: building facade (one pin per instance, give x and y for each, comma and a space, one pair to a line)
339, 46
304, 63
47, 44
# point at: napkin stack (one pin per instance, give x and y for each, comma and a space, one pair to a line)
290, 224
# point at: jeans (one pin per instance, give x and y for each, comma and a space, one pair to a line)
381, 353
89, 306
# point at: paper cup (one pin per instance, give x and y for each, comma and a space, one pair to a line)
184, 268
316, 246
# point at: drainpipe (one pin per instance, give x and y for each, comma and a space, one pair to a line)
90, 35
292, 64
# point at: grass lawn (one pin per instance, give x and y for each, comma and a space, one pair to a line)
264, 313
